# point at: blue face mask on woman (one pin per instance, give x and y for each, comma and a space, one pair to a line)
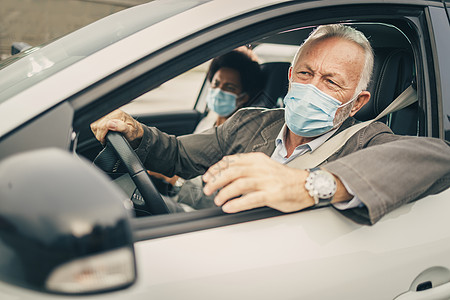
309, 112
223, 103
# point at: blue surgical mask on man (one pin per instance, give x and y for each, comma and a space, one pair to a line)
223, 103
309, 112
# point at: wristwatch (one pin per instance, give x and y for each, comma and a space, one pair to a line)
320, 185
176, 187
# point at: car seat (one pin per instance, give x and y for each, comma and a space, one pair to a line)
393, 72
276, 85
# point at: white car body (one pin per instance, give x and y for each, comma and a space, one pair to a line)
312, 254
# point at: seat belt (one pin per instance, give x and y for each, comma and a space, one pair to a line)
318, 156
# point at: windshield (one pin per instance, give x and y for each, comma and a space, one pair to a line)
21, 71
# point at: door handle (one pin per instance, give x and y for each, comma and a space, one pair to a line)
441, 292
433, 283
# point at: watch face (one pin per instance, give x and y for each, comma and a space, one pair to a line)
325, 184
321, 185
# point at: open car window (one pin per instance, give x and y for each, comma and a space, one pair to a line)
273, 42
182, 91
179, 93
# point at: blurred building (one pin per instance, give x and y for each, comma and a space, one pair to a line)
39, 21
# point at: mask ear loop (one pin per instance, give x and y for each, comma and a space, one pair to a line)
351, 100
240, 96
242, 104
339, 118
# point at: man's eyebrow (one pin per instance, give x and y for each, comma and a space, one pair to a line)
328, 74
305, 66
336, 76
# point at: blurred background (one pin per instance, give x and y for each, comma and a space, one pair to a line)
36, 22
39, 21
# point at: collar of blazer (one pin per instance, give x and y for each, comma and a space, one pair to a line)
270, 133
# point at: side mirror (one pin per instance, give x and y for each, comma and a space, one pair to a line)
18, 47
64, 227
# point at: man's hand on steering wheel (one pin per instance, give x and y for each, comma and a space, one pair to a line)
128, 129
118, 121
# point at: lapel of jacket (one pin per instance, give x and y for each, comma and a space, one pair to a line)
266, 141
350, 121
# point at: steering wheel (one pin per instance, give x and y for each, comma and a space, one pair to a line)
154, 203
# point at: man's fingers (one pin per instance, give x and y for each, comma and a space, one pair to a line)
117, 121
222, 178
117, 125
246, 202
254, 180
235, 189
220, 166
246, 161
110, 125
99, 132
231, 168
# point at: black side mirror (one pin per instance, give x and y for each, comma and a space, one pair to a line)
64, 228
18, 47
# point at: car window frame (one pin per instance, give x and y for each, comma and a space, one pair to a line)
215, 41
440, 112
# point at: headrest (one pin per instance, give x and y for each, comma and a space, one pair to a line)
392, 74
276, 84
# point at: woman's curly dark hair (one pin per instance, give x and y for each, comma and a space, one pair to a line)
252, 79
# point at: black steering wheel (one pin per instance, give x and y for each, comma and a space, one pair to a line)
153, 202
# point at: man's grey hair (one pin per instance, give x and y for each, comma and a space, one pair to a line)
347, 33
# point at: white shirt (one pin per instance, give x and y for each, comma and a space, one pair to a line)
207, 122
280, 155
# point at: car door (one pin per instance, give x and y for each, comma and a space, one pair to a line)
313, 254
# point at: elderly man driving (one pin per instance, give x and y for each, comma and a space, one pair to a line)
244, 159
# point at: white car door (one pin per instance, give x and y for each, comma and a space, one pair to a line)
315, 254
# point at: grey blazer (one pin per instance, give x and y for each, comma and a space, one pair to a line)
398, 170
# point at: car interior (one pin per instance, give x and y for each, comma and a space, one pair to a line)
393, 73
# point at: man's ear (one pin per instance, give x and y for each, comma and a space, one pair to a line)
362, 100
